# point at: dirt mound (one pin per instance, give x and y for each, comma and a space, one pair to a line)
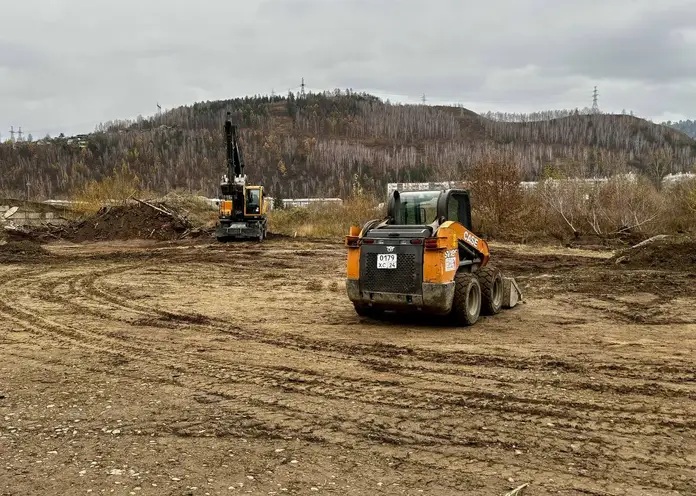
122, 222
128, 222
22, 251
663, 254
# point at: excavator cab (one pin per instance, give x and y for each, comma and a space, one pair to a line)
254, 201
424, 257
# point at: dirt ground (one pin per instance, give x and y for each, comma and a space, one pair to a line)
198, 369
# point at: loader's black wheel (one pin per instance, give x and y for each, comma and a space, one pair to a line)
466, 305
491, 280
365, 310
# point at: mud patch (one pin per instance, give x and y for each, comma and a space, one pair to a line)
23, 251
668, 254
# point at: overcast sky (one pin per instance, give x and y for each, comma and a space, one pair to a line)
66, 65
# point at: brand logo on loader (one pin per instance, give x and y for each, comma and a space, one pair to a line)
471, 239
390, 249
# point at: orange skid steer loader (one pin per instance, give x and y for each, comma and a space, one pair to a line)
423, 257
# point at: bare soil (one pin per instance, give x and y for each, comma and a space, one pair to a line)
119, 223
135, 368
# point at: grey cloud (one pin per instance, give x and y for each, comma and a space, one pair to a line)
84, 61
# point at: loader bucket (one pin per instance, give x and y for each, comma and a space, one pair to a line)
512, 294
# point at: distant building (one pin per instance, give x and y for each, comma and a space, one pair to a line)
401, 187
305, 202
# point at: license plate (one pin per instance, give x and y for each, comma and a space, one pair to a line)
237, 226
386, 260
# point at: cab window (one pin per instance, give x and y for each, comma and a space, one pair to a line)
419, 208
253, 205
457, 209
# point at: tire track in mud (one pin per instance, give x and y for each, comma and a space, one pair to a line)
661, 372
290, 416
475, 399
365, 354
427, 398
386, 432
398, 424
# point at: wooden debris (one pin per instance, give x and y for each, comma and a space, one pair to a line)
518, 491
165, 212
650, 240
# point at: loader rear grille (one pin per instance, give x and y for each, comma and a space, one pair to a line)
403, 279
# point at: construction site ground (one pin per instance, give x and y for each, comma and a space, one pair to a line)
197, 368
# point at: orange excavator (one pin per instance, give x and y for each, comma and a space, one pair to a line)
242, 209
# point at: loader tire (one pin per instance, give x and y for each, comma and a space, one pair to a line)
491, 280
466, 305
365, 310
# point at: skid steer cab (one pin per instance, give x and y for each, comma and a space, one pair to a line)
424, 258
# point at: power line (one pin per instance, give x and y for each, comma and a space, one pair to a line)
595, 104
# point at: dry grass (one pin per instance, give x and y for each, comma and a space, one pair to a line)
115, 189
324, 221
568, 210
197, 209
551, 211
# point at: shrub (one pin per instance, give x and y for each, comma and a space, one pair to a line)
114, 189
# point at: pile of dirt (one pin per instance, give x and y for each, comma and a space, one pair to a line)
123, 222
22, 251
128, 222
662, 254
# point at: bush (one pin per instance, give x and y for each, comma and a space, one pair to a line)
114, 189
679, 213
496, 196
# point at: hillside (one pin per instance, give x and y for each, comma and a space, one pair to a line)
320, 144
687, 127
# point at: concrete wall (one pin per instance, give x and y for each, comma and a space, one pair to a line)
26, 215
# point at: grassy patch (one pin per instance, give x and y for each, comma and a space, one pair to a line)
325, 221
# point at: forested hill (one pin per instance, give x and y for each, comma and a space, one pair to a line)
687, 127
318, 145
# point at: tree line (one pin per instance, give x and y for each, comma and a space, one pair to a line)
687, 127
318, 144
